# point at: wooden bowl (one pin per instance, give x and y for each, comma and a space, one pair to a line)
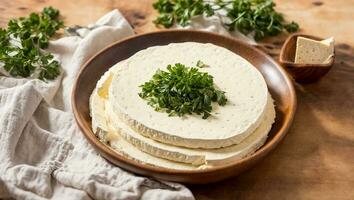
302, 73
279, 84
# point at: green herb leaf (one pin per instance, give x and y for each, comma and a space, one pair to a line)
247, 16
180, 11
23, 56
200, 64
182, 90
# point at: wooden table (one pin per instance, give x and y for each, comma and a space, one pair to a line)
316, 159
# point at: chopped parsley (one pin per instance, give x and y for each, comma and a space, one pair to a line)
200, 64
182, 90
22, 42
248, 16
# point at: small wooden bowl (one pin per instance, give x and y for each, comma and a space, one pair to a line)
302, 73
279, 85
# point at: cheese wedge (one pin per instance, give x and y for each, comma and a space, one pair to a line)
245, 89
310, 51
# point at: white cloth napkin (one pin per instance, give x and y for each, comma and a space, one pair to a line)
43, 153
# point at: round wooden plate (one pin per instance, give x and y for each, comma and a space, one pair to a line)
279, 84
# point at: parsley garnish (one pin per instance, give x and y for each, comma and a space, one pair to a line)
182, 90
21, 44
200, 64
247, 16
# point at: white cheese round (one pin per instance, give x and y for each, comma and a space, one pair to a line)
218, 156
103, 130
125, 141
245, 89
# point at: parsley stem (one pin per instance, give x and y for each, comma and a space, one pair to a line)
239, 17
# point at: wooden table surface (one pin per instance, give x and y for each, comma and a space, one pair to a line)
316, 158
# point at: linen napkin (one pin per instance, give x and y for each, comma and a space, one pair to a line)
43, 153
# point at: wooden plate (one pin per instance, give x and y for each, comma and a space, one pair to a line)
279, 84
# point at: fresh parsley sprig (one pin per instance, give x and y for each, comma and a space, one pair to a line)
247, 16
180, 11
182, 90
21, 44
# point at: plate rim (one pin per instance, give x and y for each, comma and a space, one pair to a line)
106, 150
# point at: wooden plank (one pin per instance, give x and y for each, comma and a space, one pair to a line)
315, 160
319, 17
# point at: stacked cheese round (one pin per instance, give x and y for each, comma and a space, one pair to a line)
128, 124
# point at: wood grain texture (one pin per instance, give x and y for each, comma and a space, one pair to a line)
316, 158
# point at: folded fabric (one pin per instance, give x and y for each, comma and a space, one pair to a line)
43, 153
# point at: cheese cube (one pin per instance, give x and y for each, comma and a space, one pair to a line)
310, 51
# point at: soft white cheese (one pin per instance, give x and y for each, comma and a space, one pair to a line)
245, 89
194, 156
136, 146
97, 112
103, 130
175, 153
